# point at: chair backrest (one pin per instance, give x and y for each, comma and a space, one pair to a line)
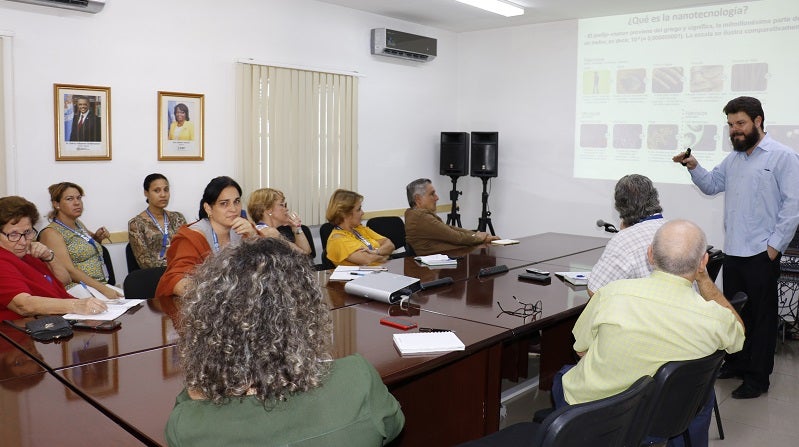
141, 284
133, 264
287, 231
681, 389
714, 262
324, 233
109, 265
391, 227
606, 422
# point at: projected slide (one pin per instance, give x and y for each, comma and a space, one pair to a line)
650, 85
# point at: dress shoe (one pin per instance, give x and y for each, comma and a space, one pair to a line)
746, 391
729, 374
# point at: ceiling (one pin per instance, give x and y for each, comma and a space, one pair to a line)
458, 17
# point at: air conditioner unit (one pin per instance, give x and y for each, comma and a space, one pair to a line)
90, 6
387, 42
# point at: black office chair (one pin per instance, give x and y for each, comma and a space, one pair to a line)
714, 262
391, 227
288, 232
681, 389
324, 233
109, 265
133, 264
141, 284
605, 422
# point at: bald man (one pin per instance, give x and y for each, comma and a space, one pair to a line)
640, 324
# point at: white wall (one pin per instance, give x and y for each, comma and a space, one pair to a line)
140, 47
521, 82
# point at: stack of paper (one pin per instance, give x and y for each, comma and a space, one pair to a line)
576, 278
436, 260
504, 242
350, 272
424, 343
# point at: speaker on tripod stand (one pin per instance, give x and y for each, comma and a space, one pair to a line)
485, 165
454, 162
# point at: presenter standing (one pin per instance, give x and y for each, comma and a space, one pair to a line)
760, 179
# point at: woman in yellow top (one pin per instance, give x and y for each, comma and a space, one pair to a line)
350, 242
181, 128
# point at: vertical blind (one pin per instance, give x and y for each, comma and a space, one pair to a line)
3, 185
298, 134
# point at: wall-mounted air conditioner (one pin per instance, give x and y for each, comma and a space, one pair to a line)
90, 6
387, 42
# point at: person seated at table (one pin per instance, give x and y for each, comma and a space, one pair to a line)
631, 327
31, 275
152, 230
267, 207
624, 257
255, 351
220, 224
425, 232
77, 249
350, 242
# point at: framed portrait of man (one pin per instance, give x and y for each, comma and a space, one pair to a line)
181, 126
82, 122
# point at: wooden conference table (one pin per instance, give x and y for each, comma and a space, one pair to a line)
124, 382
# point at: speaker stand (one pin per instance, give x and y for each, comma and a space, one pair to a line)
453, 218
485, 218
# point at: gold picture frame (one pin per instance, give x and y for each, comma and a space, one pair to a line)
181, 126
82, 122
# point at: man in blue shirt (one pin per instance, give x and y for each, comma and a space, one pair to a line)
760, 179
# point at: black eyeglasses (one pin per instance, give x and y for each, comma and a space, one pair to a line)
525, 311
15, 237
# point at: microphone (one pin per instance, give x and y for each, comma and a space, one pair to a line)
609, 227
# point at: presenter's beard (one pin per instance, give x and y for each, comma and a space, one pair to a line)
749, 141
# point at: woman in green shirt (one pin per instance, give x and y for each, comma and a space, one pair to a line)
255, 349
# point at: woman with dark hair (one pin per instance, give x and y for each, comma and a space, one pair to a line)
255, 349
352, 243
32, 277
79, 250
220, 224
151, 231
181, 128
267, 207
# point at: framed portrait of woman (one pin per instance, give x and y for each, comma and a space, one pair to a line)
181, 126
82, 122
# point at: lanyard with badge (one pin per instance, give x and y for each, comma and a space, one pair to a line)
81, 232
359, 236
164, 231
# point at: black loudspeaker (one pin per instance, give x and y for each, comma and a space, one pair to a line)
484, 154
454, 153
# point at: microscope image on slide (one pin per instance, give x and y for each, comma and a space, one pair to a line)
627, 136
661, 136
707, 78
667, 80
700, 137
749, 77
631, 81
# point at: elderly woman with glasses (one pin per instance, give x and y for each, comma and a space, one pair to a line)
31, 276
220, 225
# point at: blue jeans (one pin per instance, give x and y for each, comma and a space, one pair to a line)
697, 429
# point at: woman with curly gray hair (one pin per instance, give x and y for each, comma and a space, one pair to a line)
254, 347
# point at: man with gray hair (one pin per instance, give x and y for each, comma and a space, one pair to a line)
425, 232
636, 200
631, 327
